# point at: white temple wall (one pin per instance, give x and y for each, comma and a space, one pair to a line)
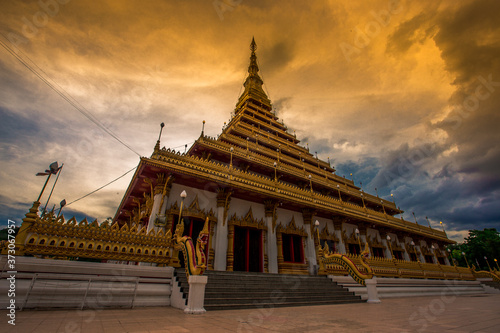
207, 200
241, 207
285, 216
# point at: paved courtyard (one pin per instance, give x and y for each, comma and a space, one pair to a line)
450, 313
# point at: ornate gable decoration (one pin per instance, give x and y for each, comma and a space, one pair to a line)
352, 239
292, 229
326, 235
193, 210
374, 242
247, 221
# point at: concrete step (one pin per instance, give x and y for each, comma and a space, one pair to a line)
268, 305
395, 287
243, 290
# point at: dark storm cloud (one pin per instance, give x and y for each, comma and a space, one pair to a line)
405, 163
415, 30
277, 57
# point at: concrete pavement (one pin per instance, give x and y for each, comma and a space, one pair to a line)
446, 313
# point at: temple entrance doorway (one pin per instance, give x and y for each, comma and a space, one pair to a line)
247, 250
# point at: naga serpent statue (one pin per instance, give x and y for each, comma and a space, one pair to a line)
326, 257
194, 258
491, 274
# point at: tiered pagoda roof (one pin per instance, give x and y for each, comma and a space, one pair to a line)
258, 159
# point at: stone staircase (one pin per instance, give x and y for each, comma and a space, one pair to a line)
402, 287
243, 290
491, 286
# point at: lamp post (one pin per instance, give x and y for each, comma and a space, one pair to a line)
390, 247
310, 183
415, 217
183, 196
451, 258
412, 243
428, 222
363, 200
496, 262
433, 251
463, 254
359, 239
486, 258
53, 169
59, 170
316, 223
231, 159
442, 226
275, 177
62, 204
340, 197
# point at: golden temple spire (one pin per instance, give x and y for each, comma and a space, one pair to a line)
253, 83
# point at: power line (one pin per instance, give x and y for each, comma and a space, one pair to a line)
100, 188
63, 93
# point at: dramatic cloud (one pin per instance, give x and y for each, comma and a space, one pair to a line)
403, 94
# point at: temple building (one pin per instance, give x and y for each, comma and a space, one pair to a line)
264, 195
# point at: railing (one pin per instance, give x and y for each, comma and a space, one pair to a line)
64, 290
405, 269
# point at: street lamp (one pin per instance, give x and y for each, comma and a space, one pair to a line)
275, 177
53, 169
390, 247
359, 238
412, 243
463, 254
340, 197
415, 217
451, 258
363, 200
183, 196
433, 251
316, 223
486, 258
442, 226
62, 204
496, 262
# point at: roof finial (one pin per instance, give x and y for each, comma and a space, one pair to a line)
253, 46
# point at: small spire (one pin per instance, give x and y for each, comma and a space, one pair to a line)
157, 146
253, 68
253, 83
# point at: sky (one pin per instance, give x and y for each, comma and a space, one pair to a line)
404, 95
